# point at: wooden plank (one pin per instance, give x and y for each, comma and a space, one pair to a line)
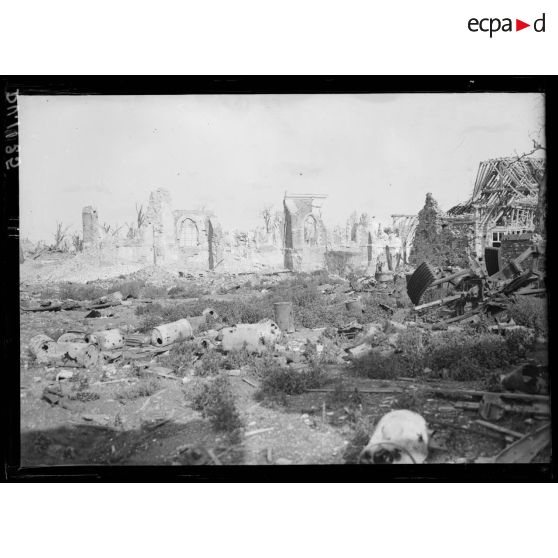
475, 393
526, 448
441, 301
367, 390
500, 429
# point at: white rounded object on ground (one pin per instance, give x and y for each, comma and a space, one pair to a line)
400, 437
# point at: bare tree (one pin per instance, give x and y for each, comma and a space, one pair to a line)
133, 228
116, 230
60, 236
266, 214
77, 242
140, 216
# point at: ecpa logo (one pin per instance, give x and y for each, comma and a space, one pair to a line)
494, 24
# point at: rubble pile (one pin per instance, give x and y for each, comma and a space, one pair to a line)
478, 293
100, 345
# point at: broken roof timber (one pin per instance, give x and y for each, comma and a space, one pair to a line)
504, 183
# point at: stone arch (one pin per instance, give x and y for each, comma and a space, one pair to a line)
189, 234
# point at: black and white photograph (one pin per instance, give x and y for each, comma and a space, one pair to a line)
215, 279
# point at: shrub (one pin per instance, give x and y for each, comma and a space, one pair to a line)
148, 322
144, 388
84, 396
461, 356
279, 381
209, 364
181, 357
361, 437
154, 308
518, 343
237, 358
343, 394
531, 312
153, 291
330, 352
215, 400
187, 290
379, 366
467, 356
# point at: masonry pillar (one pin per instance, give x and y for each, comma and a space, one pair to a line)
90, 219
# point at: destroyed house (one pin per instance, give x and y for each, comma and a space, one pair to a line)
504, 200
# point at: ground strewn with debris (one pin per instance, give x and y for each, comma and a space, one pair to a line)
309, 396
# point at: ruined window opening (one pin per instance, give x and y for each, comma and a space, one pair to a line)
189, 234
497, 239
354, 233
310, 231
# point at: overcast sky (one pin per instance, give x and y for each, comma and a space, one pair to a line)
237, 154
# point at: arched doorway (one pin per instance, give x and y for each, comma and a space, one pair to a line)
189, 234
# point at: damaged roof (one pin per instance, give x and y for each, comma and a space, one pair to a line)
504, 182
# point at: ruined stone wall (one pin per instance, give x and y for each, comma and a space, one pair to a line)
439, 241
91, 227
160, 216
305, 233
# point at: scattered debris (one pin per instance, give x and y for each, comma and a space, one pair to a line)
500, 429
527, 378
250, 383
64, 375
350, 330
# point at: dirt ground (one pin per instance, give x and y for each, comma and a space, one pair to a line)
162, 428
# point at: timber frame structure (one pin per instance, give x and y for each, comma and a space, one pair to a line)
504, 199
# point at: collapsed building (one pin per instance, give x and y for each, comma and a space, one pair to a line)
367, 246
161, 235
500, 214
296, 239
361, 245
305, 232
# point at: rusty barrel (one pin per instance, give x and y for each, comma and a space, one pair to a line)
166, 334
43, 348
108, 340
284, 316
84, 354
